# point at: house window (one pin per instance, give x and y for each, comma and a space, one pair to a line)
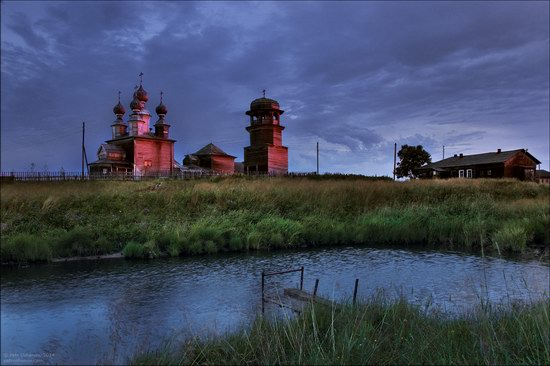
469, 173
461, 173
147, 163
489, 172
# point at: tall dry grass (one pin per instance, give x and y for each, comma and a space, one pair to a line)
239, 213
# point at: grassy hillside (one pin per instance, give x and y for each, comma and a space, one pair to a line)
375, 333
40, 221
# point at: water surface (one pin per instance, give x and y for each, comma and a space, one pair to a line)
104, 311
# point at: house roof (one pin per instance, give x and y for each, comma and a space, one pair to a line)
110, 148
542, 173
110, 162
477, 159
211, 149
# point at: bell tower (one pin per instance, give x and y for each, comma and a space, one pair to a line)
266, 153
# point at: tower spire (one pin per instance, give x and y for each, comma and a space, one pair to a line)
119, 96
140, 78
264, 92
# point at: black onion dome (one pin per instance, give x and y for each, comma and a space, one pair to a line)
264, 103
135, 103
119, 109
161, 109
142, 94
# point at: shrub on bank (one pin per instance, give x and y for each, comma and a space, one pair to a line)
134, 250
25, 247
511, 236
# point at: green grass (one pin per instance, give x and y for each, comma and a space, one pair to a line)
376, 332
240, 214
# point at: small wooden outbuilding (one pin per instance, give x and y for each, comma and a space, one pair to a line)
213, 158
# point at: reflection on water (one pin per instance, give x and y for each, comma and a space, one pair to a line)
88, 312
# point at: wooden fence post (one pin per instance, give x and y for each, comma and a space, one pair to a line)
263, 281
315, 288
355, 290
302, 278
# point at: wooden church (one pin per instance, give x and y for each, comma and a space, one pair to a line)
134, 147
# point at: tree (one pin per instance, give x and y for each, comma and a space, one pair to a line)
411, 158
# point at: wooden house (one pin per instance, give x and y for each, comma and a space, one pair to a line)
134, 147
266, 153
213, 158
543, 176
500, 164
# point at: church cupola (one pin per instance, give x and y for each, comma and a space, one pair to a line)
139, 119
161, 127
135, 105
141, 94
119, 127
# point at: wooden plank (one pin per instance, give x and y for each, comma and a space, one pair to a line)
301, 295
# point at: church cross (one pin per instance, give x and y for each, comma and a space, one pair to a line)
140, 78
264, 93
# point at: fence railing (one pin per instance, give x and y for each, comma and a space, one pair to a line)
77, 176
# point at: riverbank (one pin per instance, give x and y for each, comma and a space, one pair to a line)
43, 221
376, 332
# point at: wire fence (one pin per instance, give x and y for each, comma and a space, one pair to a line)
13, 176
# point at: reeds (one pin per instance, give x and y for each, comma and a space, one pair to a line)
239, 214
376, 332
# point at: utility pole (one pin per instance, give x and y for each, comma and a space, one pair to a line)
84, 157
443, 152
317, 157
394, 158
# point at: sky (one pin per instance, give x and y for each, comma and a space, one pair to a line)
356, 77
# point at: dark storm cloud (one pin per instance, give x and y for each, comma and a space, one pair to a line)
356, 76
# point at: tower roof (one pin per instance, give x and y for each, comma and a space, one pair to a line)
264, 103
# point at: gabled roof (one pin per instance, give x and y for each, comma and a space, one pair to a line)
212, 149
477, 159
542, 173
110, 148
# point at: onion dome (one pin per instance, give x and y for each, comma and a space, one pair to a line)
119, 109
141, 94
161, 108
135, 103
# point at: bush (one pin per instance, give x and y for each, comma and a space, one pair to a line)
150, 249
512, 236
134, 250
76, 242
25, 247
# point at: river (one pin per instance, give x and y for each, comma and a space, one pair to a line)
104, 311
